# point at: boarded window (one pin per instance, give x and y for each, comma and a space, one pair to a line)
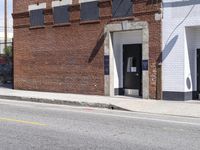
37, 17
89, 11
122, 8
61, 14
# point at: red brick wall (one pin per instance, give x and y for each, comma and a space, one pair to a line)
63, 59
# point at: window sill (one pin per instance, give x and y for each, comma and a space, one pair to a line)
90, 22
36, 27
123, 18
61, 25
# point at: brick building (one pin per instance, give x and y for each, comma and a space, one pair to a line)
100, 47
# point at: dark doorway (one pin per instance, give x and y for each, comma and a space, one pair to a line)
132, 68
198, 72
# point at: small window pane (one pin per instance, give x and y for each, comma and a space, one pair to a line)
132, 64
61, 14
122, 8
37, 17
89, 11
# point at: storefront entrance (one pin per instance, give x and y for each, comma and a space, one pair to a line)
126, 53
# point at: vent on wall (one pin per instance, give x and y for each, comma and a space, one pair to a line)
37, 17
122, 8
89, 11
61, 14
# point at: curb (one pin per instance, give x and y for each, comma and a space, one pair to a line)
82, 104
63, 102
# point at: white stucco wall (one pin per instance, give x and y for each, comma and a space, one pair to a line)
119, 39
181, 38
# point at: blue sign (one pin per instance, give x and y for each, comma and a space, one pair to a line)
106, 65
145, 64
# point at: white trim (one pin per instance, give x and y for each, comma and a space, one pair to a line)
61, 3
85, 1
36, 7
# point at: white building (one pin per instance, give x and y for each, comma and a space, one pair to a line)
181, 47
9, 40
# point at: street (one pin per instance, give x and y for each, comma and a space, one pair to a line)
35, 126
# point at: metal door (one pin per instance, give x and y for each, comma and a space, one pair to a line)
132, 67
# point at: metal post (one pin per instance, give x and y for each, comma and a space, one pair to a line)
5, 23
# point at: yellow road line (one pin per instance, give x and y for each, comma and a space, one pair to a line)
22, 121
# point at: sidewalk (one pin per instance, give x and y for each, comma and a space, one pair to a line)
189, 108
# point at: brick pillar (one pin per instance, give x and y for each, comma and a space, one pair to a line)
75, 11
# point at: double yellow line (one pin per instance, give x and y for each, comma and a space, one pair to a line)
22, 121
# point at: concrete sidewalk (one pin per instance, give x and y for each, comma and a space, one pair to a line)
189, 108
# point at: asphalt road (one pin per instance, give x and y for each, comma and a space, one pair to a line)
34, 126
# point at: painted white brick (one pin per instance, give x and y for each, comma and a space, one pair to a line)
85, 1
61, 3
35, 6
181, 21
